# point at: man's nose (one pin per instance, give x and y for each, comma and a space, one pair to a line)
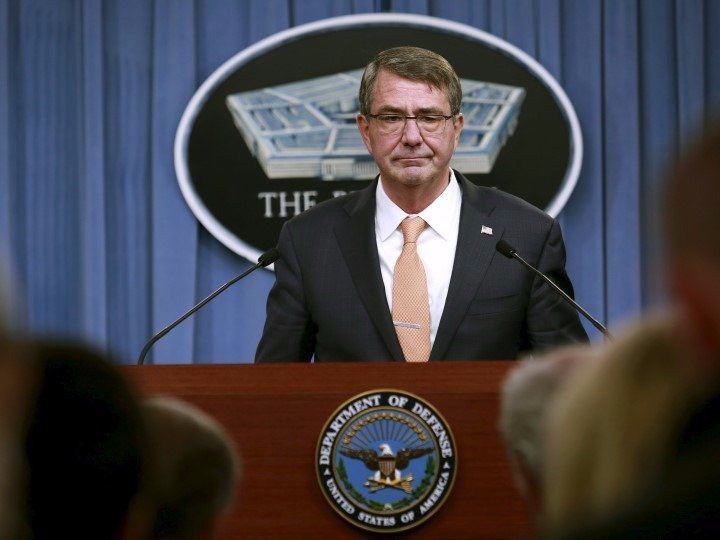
411, 132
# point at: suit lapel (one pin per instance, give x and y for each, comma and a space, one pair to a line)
472, 257
356, 237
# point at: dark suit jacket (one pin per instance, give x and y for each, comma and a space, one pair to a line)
329, 298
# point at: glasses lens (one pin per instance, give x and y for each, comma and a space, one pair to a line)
431, 124
391, 123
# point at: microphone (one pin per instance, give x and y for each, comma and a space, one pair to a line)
508, 251
267, 258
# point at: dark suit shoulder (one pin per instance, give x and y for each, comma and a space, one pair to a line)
506, 200
333, 210
516, 214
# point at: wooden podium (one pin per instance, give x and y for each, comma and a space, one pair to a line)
276, 413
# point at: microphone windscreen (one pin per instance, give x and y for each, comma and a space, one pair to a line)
505, 249
269, 257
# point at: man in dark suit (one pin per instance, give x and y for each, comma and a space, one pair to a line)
335, 284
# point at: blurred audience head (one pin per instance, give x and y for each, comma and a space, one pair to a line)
194, 469
692, 227
612, 431
17, 388
83, 446
526, 395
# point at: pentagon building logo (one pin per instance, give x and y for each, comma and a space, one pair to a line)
386, 461
308, 130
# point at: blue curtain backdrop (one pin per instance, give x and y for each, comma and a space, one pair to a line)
100, 245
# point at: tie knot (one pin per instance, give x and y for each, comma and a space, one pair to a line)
411, 229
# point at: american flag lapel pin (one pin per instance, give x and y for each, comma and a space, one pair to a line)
486, 230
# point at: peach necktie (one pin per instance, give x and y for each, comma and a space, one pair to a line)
410, 307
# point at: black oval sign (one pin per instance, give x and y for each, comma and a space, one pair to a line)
271, 132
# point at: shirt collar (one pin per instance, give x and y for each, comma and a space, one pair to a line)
388, 215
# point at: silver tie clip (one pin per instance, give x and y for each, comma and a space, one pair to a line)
407, 325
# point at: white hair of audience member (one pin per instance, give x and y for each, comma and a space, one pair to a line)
194, 468
613, 429
526, 395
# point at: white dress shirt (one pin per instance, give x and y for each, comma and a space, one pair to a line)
436, 245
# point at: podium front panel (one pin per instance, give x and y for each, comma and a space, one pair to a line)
276, 412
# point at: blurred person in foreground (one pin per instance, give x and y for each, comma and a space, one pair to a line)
684, 502
692, 234
611, 432
83, 447
16, 389
17, 385
194, 469
527, 394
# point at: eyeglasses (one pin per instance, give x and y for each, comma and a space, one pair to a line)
394, 123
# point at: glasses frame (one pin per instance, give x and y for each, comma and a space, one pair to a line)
417, 124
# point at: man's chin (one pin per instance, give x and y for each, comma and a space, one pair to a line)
413, 175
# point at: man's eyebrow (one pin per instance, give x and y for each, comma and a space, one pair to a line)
388, 109
430, 110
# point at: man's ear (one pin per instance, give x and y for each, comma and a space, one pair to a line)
458, 127
364, 128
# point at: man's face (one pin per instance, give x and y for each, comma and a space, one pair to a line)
410, 158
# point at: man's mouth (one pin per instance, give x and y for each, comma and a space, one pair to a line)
411, 159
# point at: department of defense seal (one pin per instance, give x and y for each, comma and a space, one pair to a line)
386, 460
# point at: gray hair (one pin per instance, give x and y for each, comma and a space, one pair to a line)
416, 64
527, 393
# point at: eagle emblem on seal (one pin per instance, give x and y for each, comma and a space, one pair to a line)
387, 466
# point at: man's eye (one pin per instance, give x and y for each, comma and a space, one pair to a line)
429, 120
391, 118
